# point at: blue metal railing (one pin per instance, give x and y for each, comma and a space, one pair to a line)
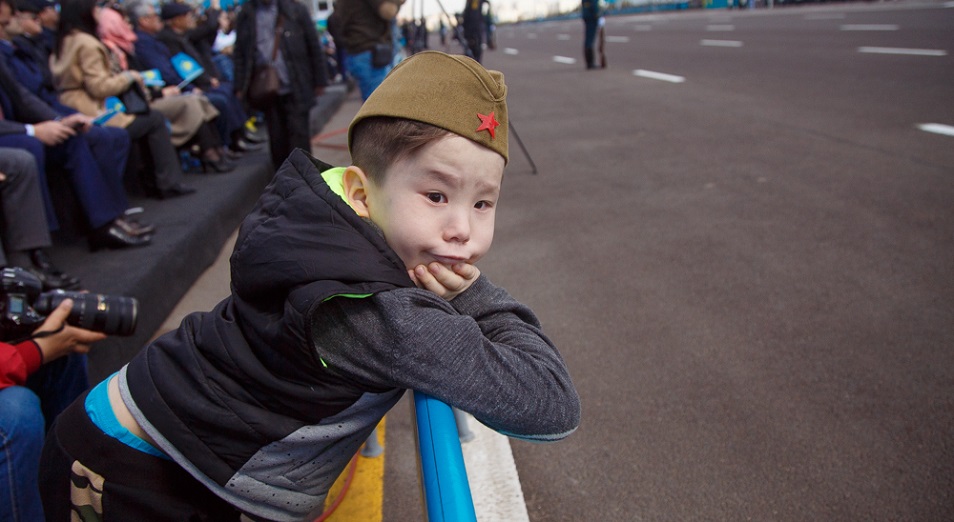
443, 474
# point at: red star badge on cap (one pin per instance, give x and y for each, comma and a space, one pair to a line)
488, 123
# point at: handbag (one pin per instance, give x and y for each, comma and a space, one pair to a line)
134, 100
382, 54
263, 87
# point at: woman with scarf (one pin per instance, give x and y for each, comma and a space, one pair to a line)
191, 115
84, 78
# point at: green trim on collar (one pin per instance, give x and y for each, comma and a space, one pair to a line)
334, 177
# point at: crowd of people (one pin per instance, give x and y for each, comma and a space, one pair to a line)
65, 145
62, 69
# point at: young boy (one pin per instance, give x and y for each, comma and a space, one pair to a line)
349, 285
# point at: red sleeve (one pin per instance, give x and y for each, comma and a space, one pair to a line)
17, 362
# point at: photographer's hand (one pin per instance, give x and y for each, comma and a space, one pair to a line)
66, 339
447, 282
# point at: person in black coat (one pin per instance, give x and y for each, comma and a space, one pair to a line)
300, 61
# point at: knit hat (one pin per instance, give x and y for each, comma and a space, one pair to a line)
452, 92
173, 9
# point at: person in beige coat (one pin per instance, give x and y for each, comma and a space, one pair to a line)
190, 115
82, 74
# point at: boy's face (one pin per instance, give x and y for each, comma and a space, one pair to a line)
438, 205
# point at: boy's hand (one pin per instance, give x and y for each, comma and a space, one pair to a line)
447, 282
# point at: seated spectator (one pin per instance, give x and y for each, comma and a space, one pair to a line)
24, 233
39, 377
47, 16
109, 147
223, 45
181, 34
190, 116
28, 57
83, 76
30, 124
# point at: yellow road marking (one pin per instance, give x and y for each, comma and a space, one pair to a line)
364, 499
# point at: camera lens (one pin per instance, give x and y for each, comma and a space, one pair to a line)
112, 315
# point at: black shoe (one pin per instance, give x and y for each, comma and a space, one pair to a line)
112, 236
253, 138
51, 277
220, 166
133, 227
175, 191
240, 145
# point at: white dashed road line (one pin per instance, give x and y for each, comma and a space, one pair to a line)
617, 39
564, 59
720, 43
869, 27
937, 128
899, 50
642, 73
720, 28
511, 51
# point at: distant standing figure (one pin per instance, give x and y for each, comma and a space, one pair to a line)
301, 65
593, 24
366, 28
475, 25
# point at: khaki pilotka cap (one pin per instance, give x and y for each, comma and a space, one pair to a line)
452, 92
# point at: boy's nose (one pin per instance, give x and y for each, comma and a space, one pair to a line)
457, 227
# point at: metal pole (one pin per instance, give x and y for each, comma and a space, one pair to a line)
443, 474
462, 428
372, 447
524, 149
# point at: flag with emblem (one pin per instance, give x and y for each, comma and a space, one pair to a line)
152, 78
187, 67
113, 107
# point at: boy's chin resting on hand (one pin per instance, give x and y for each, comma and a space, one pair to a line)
446, 281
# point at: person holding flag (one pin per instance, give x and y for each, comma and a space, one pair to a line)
190, 115
180, 33
84, 76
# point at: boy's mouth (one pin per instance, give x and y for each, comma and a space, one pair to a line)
448, 260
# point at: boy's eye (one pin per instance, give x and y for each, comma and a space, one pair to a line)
436, 197
482, 205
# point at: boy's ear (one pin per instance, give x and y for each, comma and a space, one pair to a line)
356, 183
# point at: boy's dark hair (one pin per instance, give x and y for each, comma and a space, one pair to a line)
380, 141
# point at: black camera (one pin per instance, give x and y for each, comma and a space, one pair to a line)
23, 307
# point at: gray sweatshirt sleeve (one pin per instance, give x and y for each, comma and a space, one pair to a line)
483, 352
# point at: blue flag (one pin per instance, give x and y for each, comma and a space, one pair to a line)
187, 67
152, 78
113, 107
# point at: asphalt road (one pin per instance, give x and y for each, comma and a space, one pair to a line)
750, 273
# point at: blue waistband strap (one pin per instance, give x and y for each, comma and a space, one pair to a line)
101, 413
